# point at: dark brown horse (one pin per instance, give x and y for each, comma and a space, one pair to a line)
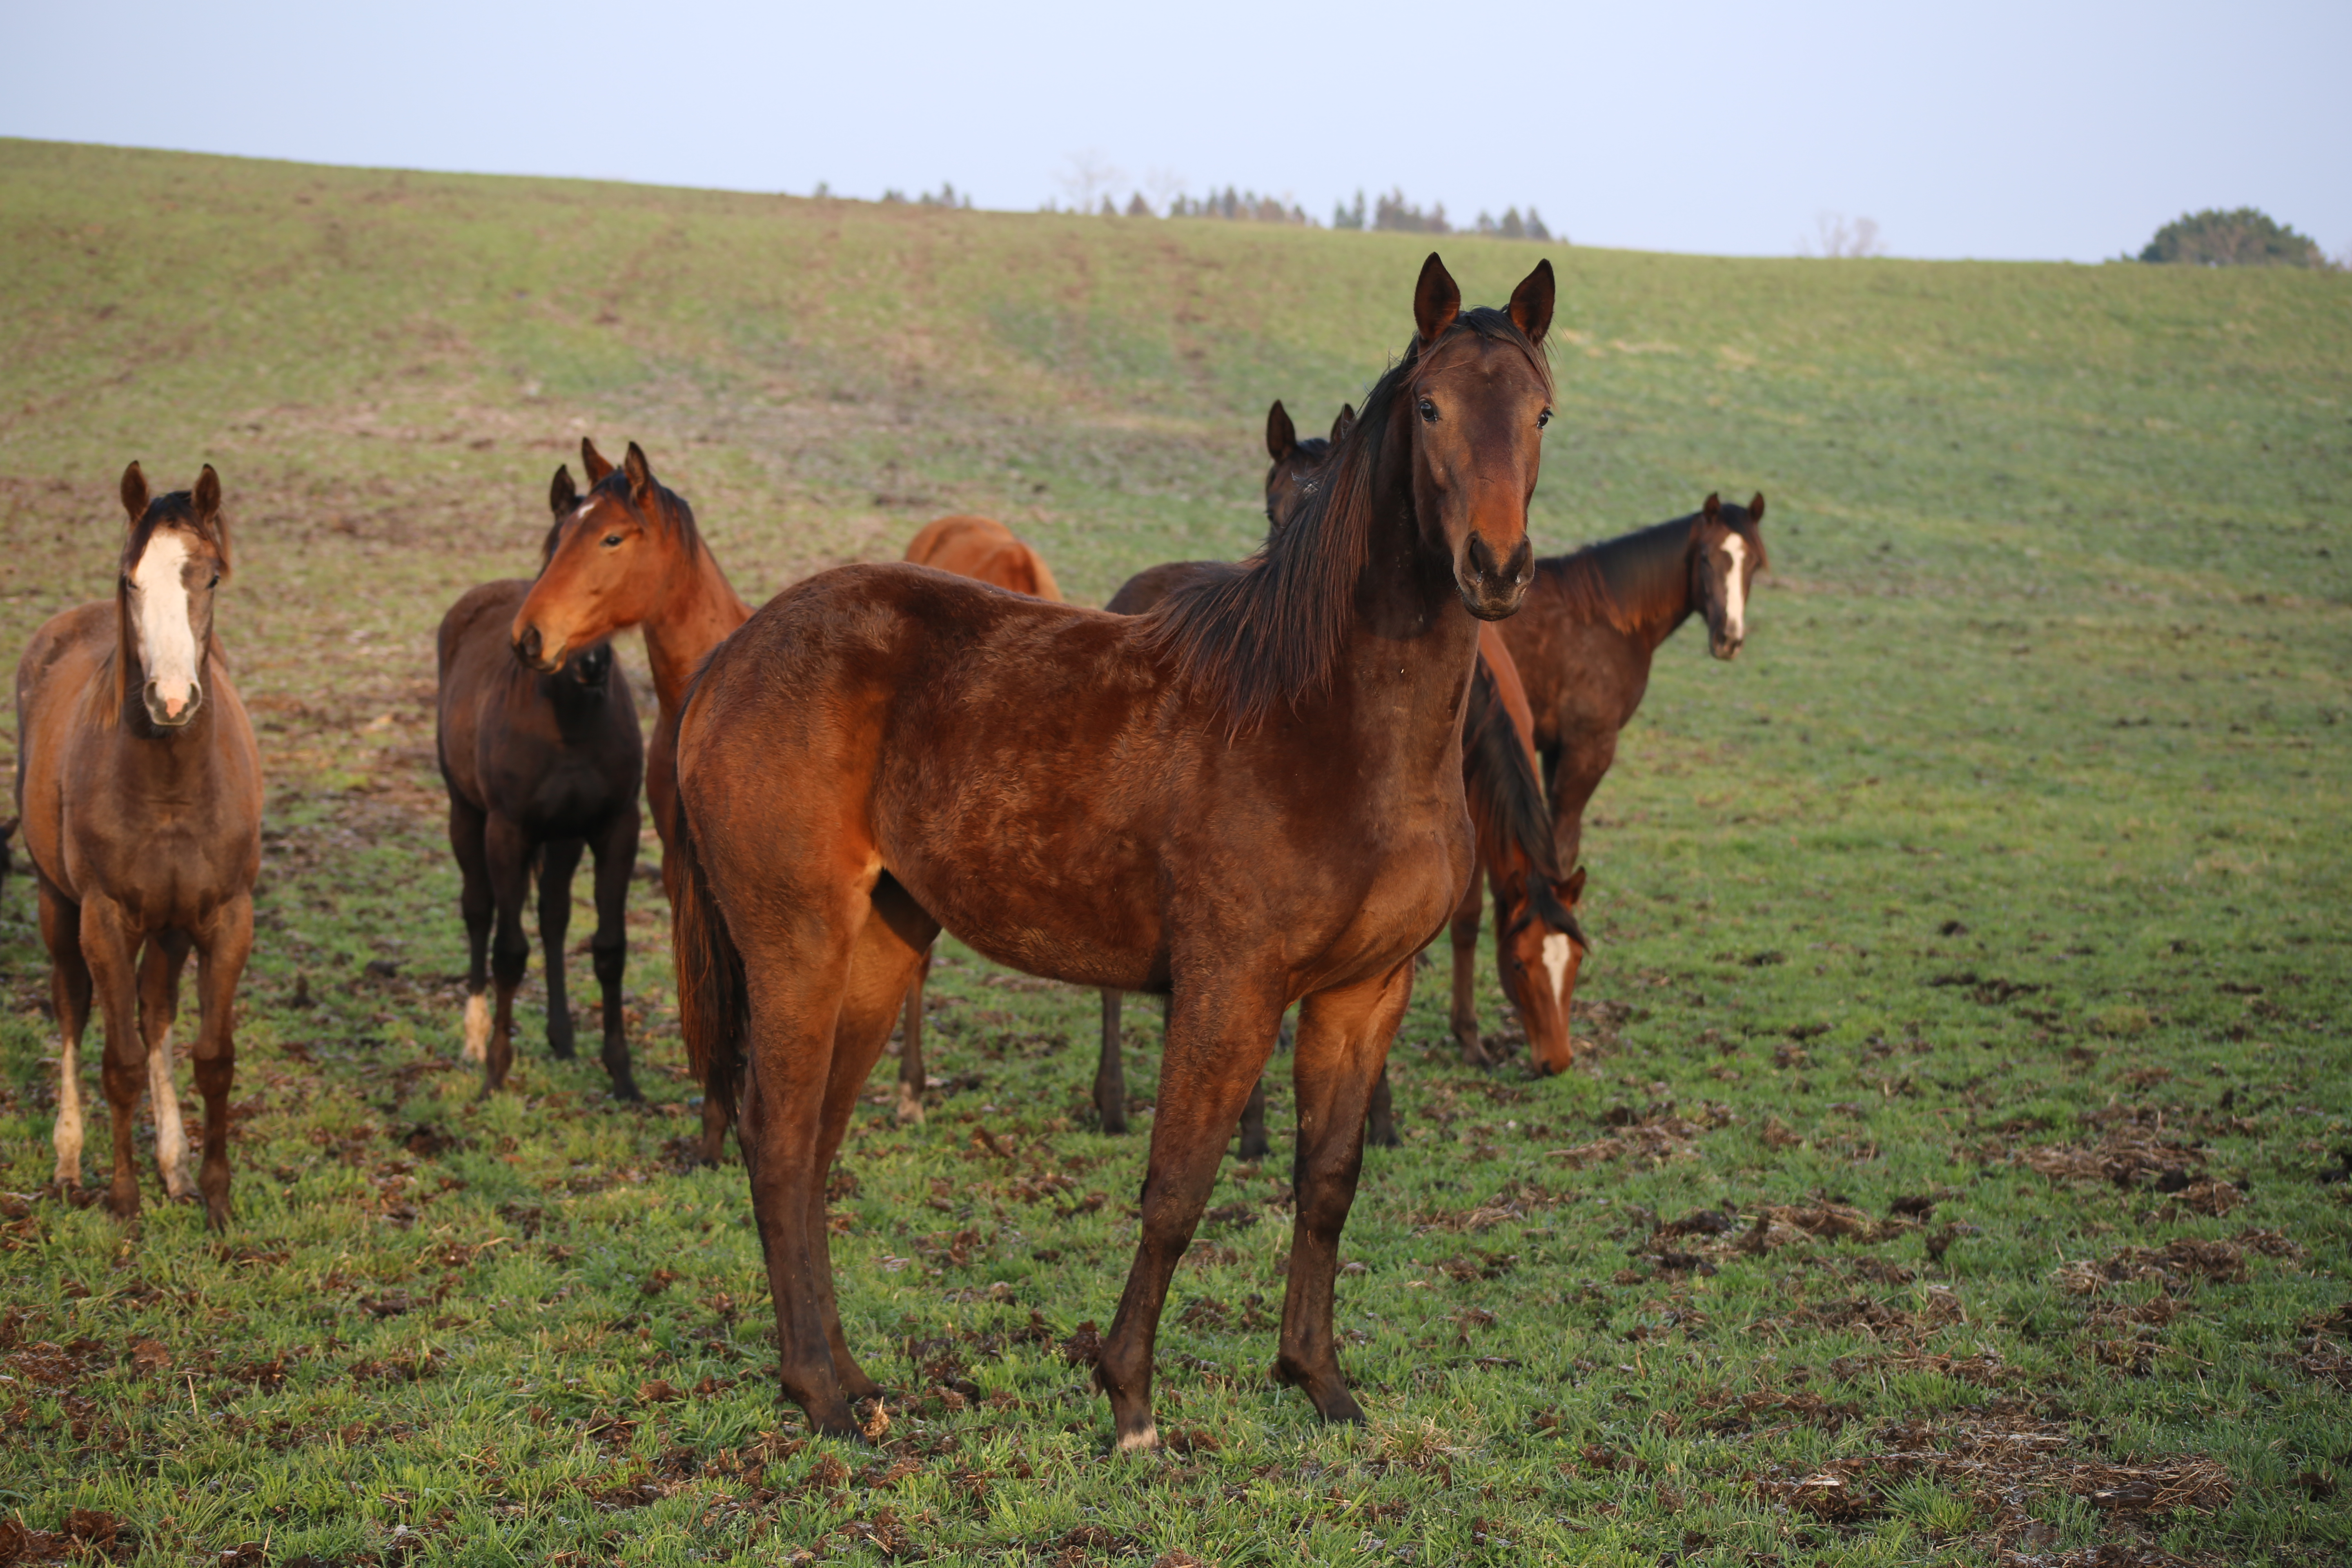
139, 789
1250, 797
538, 768
985, 551
1594, 619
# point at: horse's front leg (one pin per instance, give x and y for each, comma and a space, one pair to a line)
1343, 1043
1465, 977
616, 863
467, 828
507, 855
224, 947
111, 946
559, 858
1215, 1051
159, 1008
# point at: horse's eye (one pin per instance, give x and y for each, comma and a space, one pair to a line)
1543, 419
216, 582
611, 539
1428, 412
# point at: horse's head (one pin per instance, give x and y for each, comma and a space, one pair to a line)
609, 557
1297, 470
174, 559
1477, 403
1726, 549
1543, 948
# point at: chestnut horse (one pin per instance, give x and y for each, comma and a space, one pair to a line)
630, 555
1594, 619
140, 788
537, 767
985, 551
1248, 798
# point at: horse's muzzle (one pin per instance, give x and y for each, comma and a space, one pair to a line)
1492, 590
530, 647
163, 714
1724, 647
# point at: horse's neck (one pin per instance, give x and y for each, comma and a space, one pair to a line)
1664, 602
700, 613
1410, 644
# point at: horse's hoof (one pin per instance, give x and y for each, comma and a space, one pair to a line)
1254, 1148
122, 1205
909, 1112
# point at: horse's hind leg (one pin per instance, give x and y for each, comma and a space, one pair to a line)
1211, 1059
1110, 1072
1380, 1120
913, 1076
1343, 1041
507, 851
893, 950
466, 829
1253, 1128
159, 1007
616, 862
557, 859
220, 963
69, 989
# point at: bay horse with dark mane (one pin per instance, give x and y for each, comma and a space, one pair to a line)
1248, 798
139, 785
538, 768
1594, 619
629, 555
985, 551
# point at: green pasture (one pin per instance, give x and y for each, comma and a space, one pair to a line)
1956, 1172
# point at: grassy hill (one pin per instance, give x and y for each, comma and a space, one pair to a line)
2017, 834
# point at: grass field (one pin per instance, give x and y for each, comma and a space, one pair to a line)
1957, 1170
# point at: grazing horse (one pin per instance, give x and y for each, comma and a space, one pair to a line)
1249, 797
628, 555
139, 789
1538, 946
1594, 619
539, 767
985, 551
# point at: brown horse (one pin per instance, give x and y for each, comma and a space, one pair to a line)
1250, 797
538, 768
139, 789
985, 551
629, 555
1538, 946
1594, 619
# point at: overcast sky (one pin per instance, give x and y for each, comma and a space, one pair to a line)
2002, 129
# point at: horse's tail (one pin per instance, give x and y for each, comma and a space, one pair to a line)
713, 1004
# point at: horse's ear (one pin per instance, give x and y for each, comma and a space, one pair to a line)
1343, 423
1281, 434
593, 461
1713, 509
1574, 887
1531, 302
207, 499
640, 474
561, 495
135, 491
1755, 510
1436, 299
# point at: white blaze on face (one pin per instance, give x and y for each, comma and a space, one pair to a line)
1556, 954
167, 641
1735, 590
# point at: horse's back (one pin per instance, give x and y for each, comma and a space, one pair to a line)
985, 551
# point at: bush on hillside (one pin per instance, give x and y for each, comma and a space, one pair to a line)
1511, 226
1244, 206
2246, 237
1391, 214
